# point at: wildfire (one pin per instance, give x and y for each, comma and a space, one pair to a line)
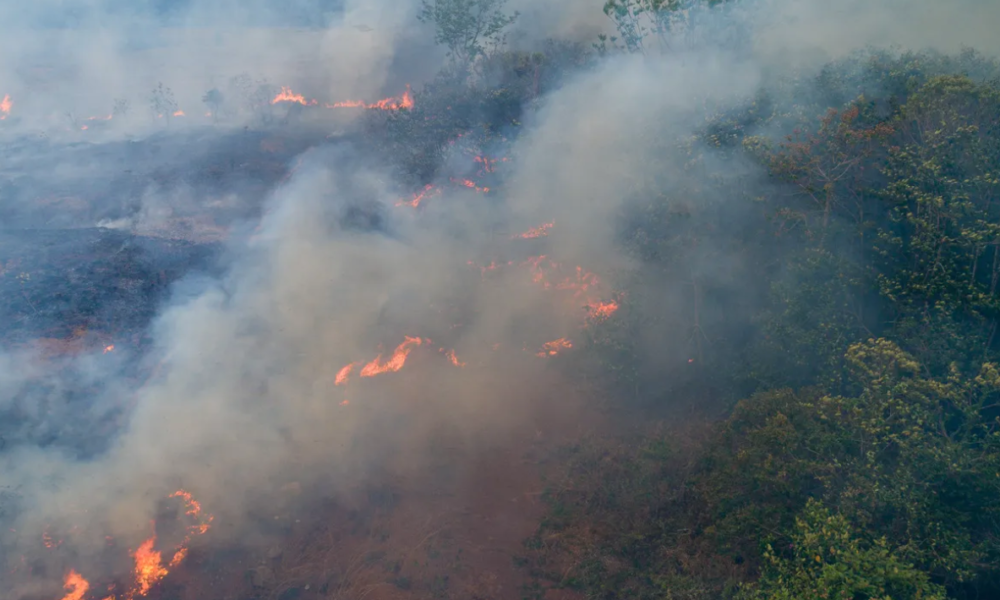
178, 557
148, 567
554, 347
76, 585
403, 101
48, 542
109, 348
470, 184
599, 311
287, 95
453, 358
493, 266
344, 373
5, 106
535, 232
377, 367
428, 191
585, 285
193, 509
89, 119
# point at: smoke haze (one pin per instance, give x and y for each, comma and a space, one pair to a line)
324, 269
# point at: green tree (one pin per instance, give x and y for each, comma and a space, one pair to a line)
909, 458
828, 559
469, 28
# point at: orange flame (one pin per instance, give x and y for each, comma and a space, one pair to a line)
178, 557
109, 348
600, 311
585, 285
76, 585
193, 509
535, 232
179, 113
48, 542
454, 359
344, 374
287, 95
470, 184
5, 106
377, 367
418, 198
493, 266
554, 347
149, 567
404, 101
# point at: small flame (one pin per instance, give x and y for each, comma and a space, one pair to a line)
109, 348
428, 191
404, 101
48, 542
5, 106
76, 585
287, 95
489, 164
344, 374
535, 232
470, 184
377, 367
601, 311
179, 113
178, 557
193, 509
454, 359
493, 266
554, 347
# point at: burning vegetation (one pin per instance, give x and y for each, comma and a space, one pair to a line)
646, 316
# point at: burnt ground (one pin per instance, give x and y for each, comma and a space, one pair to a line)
58, 186
453, 528
66, 284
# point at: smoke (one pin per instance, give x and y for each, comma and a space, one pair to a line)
244, 402
65, 64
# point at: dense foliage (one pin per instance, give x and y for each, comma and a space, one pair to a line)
832, 248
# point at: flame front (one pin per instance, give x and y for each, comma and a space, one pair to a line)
470, 184
193, 509
428, 191
48, 542
404, 101
149, 567
600, 311
76, 585
555, 347
535, 232
5, 106
454, 359
377, 367
287, 95
344, 374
